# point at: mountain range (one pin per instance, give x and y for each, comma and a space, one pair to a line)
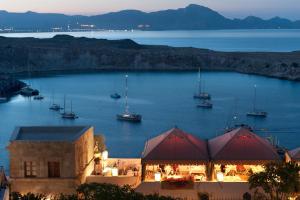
192, 17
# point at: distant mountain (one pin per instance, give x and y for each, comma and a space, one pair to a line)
192, 17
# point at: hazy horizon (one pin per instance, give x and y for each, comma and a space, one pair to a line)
229, 8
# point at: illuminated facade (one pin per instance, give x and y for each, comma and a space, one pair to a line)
50, 159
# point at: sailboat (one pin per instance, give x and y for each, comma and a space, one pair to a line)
38, 97
205, 103
54, 106
68, 115
201, 94
127, 116
255, 112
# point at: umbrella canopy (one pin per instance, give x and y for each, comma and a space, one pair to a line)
241, 146
175, 146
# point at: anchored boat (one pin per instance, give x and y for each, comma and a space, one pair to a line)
205, 104
201, 94
68, 115
255, 112
127, 116
115, 96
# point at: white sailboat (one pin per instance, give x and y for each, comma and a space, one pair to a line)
127, 116
201, 94
255, 112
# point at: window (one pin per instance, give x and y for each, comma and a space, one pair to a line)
30, 169
53, 170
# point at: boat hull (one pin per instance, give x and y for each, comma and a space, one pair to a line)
257, 114
202, 96
129, 118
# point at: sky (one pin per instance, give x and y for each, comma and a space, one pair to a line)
229, 8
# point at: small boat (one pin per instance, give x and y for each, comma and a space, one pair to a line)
127, 116
115, 96
28, 91
68, 115
205, 104
255, 112
3, 99
201, 94
38, 97
55, 107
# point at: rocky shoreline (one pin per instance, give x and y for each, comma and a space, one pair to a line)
68, 54
9, 86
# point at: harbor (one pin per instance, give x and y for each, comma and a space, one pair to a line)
164, 100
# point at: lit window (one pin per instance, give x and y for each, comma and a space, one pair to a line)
30, 169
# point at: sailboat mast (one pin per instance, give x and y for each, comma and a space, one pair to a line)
126, 93
199, 81
71, 106
254, 101
64, 103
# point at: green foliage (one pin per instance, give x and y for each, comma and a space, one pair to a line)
278, 181
100, 143
105, 191
28, 196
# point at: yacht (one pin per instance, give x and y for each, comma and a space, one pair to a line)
255, 112
55, 107
127, 116
28, 91
205, 104
115, 96
201, 94
68, 115
38, 97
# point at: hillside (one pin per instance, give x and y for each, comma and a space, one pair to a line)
192, 17
68, 54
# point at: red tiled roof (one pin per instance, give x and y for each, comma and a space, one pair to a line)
295, 154
175, 146
241, 145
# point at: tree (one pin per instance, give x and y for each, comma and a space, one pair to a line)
100, 143
278, 180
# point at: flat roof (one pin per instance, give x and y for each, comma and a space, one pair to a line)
48, 133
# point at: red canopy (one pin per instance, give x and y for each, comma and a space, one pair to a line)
175, 146
295, 154
242, 146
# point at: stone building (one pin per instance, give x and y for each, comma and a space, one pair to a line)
50, 159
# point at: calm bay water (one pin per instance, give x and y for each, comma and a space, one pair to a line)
165, 99
222, 40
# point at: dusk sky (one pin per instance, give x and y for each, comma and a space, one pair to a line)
230, 8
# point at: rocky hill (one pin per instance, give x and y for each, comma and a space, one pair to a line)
66, 53
192, 17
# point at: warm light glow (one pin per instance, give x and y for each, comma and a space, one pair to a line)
105, 155
157, 176
220, 176
114, 172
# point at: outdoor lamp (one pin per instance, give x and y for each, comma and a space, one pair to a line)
105, 155
157, 176
220, 176
114, 172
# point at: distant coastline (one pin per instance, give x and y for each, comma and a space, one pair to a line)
192, 17
67, 54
